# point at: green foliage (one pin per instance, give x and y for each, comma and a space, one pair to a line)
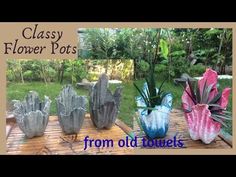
76, 70
197, 70
151, 96
143, 65
28, 75
45, 70
164, 48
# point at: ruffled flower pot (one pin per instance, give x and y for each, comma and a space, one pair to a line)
155, 124
32, 115
199, 118
104, 105
71, 110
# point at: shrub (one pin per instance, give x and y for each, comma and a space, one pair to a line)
143, 65
197, 70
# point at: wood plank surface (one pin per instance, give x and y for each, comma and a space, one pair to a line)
54, 141
178, 127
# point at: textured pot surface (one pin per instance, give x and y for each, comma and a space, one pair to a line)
32, 114
201, 125
71, 110
104, 105
155, 124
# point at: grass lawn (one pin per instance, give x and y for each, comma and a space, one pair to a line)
177, 92
18, 91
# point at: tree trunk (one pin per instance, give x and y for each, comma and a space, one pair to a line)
106, 66
43, 73
221, 64
22, 77
62, 72
170, 59
21, 73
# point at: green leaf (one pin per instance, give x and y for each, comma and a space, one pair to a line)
164, 48
214, 105
146, 108
222, 116
219, 120
142, 94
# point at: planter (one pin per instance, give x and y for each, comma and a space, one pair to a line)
71, 110
201, 123
104, 105
155, 124
31, 114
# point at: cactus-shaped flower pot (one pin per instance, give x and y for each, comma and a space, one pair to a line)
205, 109
156, 123
31, 114
104, 105
71, 109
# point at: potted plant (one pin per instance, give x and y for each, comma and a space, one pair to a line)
104, 105
71, 109
154, 106
31, 114
205, 107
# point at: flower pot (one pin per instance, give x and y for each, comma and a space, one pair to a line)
155, 124
104, 105
71, 110
201, 124
31, 114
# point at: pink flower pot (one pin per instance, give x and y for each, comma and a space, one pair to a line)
200, 123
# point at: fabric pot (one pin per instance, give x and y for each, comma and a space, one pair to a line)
31, 114
155, 124
200, 123
104, 105
71, 110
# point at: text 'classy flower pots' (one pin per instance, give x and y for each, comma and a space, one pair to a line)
31, 114
104, 105
156, 123
205, 107
71, 109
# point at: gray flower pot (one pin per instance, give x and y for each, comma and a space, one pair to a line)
104, 105
31, 114
71, 110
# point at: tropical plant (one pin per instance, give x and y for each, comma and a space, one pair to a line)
207, 93
153, 96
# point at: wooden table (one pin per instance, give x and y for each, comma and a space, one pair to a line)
178, 127
55, 142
